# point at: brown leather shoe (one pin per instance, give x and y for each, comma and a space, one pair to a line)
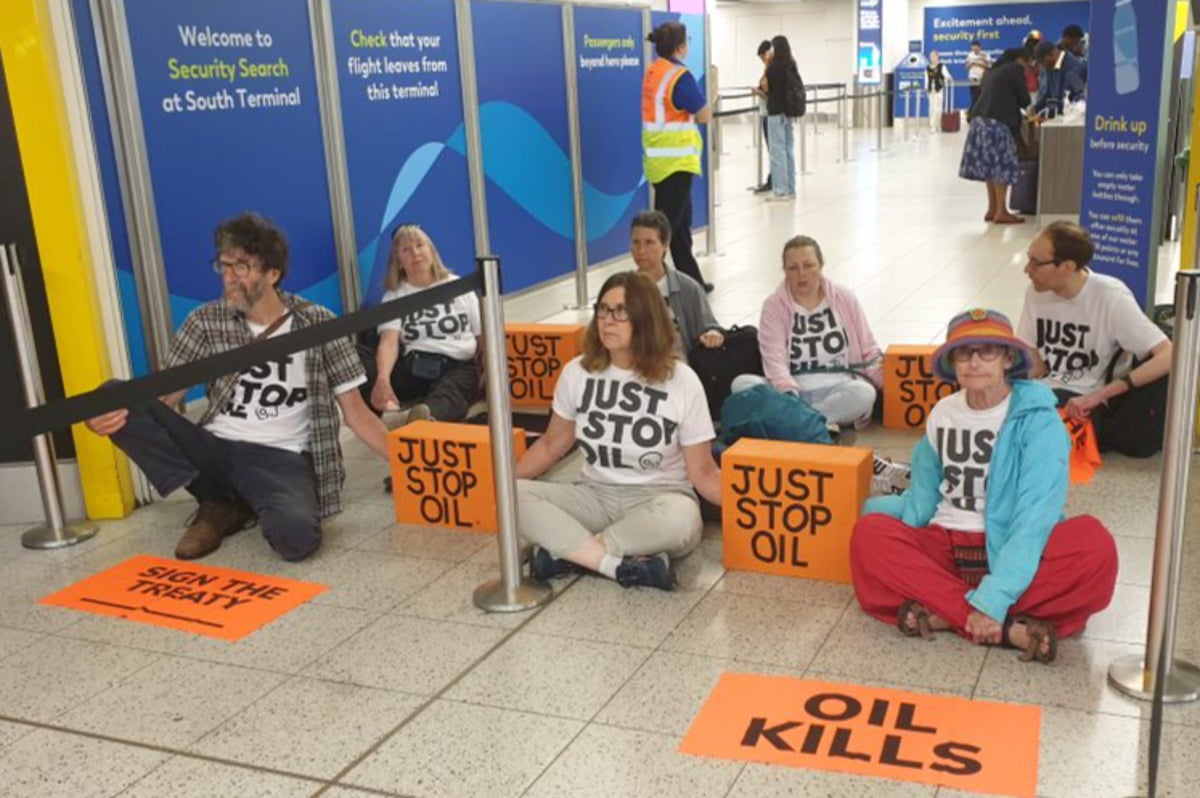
212, 522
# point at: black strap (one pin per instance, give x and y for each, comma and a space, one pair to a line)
73, 409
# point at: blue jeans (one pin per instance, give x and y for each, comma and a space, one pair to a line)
279, 485
781, 140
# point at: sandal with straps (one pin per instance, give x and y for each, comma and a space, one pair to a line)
1038, 633
918, 625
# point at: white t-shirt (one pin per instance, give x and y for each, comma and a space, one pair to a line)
1078, 337
976, 63
818, 344
271, 405
964, 440
632, 432
447, 328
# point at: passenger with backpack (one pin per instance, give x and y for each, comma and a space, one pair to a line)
785, 104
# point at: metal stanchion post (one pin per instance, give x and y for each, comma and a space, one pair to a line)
56, 532
758, 148
844, 118
1136, 675
509, 593
803, 144
880, 115
907, 110
816, 97
576, 147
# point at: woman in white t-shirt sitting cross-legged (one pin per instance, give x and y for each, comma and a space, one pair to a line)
641, 419
978, 543
439, 342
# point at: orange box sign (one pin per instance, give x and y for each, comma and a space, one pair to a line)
442, 475
975, 746
789, 508
910, 389
205, 599
536, 356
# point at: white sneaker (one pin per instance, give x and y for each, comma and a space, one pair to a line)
890, 478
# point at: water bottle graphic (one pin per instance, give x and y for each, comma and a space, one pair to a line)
1125, 47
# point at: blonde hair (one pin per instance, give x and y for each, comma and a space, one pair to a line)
395, 276
653, 339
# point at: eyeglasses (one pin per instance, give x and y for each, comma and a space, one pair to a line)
987, 353
239, 267
1037, 264
617, 313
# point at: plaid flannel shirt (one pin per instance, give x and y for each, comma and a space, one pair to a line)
215, 327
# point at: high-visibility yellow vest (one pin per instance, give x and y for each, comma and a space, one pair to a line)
670, 136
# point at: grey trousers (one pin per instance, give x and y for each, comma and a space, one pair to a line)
631, 520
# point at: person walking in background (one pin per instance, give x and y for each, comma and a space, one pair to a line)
785, 104
936, 78
764, 55
673, 108
990, 154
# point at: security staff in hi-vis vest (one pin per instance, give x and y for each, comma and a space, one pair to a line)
673, 108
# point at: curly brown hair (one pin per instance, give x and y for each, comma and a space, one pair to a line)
653, 337
257, 236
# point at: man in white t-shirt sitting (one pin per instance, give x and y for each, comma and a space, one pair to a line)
267, 446
1078, 322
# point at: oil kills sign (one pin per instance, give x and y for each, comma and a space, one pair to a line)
976, 746
789, 508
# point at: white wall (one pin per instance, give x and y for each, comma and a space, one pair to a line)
821, 33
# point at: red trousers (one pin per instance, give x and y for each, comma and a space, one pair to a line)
892, 562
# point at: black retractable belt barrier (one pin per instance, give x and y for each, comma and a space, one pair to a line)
46, 418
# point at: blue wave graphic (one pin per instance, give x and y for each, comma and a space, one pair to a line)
512, 140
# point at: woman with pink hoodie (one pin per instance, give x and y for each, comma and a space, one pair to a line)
815, 341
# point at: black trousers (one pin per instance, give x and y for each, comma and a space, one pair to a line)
449, 397
1132, 423
279, 485
673, 196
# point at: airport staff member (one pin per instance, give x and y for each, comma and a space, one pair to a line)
673, 108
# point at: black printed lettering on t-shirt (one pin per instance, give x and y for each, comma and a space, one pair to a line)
965, 455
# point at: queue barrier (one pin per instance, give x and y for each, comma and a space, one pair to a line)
789, 508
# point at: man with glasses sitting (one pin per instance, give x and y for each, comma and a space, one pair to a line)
266, 447
1079, 323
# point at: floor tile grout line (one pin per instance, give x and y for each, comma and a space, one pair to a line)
162, 749
508, 635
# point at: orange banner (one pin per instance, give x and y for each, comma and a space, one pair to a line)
1085, 451
204, 599
977, 746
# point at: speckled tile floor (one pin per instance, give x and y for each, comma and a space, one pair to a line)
394, 684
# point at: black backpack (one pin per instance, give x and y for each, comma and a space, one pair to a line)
718, 367
795, 103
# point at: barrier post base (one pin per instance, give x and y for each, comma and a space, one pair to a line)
494, 597
43, 536
1128, 675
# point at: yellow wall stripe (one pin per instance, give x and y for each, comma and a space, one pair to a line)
31, 68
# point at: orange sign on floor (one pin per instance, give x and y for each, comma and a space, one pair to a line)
536, 356
205, 599
442, 474
977, 746
789, 508
910, 389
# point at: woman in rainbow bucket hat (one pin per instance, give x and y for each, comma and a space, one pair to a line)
978, 544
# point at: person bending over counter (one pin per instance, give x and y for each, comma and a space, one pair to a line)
815, 341
649, 240
978, 544
440, 343
641, 419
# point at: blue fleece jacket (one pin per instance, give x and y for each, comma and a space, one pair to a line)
1026, 493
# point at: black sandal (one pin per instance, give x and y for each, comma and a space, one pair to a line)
1038, 632
919, 625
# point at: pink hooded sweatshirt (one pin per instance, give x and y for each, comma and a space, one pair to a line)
775, 335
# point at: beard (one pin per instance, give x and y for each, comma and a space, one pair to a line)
241, 298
